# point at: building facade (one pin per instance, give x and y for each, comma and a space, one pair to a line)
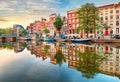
109, 14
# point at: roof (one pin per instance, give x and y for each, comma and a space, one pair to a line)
20, 26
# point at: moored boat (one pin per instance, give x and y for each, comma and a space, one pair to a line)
49, 40
81, 40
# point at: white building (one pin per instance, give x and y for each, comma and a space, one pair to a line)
109, 14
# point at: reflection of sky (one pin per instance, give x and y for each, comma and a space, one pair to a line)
24, 67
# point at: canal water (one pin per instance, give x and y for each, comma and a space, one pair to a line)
59, 62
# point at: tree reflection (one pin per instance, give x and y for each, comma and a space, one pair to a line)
59, 57
7, 45
89, 63
46, 48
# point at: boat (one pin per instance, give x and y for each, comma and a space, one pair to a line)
81, 40
49, 40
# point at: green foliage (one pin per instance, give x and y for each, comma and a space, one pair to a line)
88, 17
24, 45
46, 31
25, 32
104, 25
7, 31
89, 63
37, 35
46, 48
58, 23
59, 57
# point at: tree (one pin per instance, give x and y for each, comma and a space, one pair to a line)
46, 31
58, 23
25, 32
88, 17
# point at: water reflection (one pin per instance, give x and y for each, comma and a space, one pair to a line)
89, 60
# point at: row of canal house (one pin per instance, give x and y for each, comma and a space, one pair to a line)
109, 14
38, 26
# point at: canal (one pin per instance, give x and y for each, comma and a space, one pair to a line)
59, 62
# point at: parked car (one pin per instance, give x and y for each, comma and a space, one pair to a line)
117, 37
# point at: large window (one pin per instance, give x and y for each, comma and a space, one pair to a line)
73, 14
73, 20
117, 30
101, 18
117, 16
111, 31
117, 23
106, 18
111, 11
111, 17
117, 11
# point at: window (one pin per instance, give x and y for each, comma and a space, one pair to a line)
73, 25
117, 51
117, 16
117, 30
106, 12
73, 20
77, 25
69, 15
77, 20
97, 32
117, 11
111, 17
111, 49
90, 31
101, 32
73, 14
111, 11
101, 18
106, 18
101, 13
117, 23
111, 23
111, 31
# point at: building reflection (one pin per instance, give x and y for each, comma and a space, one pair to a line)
88, 59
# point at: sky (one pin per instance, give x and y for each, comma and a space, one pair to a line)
25, 12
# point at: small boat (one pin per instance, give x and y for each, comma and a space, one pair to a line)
49, 40
81, 40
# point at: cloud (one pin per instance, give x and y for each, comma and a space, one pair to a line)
3, 20
52, 1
